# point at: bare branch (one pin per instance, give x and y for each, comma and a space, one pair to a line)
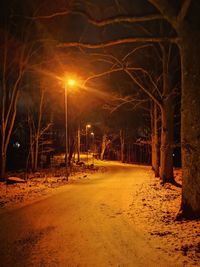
166, 9
119, 42
128, 70
146, 73
127, 100
102, 74
183, 10
45, 129
100, 23
134, 50
142, 87
112, 58
51, 16
12, 121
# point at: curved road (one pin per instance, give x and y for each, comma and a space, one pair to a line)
83, 224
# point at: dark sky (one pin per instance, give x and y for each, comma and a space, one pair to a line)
16, 16
76, 27
17, 13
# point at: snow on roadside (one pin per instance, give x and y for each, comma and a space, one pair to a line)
40, 184
154, 210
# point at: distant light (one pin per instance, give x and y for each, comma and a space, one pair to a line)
88, 125
173, 155
16, 144
92, 133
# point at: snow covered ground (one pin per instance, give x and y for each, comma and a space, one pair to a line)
154, 209
40, 184
151, 208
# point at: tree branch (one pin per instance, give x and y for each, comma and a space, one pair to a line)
166, 9
143, 88
103, 22
134, 50
118, 42
183, 10
102, 74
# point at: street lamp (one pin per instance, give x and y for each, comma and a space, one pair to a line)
68, 83
88, 126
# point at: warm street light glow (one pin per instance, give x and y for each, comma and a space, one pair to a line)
88, 126
92, 133
71, 82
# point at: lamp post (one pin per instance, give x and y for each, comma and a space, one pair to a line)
88, 126
92, 135
68, 83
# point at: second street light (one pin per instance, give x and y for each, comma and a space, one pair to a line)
88, 126
68, 83
92, 135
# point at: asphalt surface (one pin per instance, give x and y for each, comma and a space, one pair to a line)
84, 224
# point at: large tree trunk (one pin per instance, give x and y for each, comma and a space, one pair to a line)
155, 147
190, 121
167, 122
166, 149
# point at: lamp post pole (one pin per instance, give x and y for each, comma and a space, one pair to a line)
86, 142
92, 134
86, 132
68, 83
78, 143
66, 131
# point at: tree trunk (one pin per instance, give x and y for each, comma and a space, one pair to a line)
155, 147
122, 145
2, 165
2, 154
129, 153
104, 144
78, 143
190, 122
38, 132
36, 153
31, 141
71, 148
166, 150
167, 121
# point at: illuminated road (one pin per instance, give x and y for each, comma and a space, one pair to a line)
83, 224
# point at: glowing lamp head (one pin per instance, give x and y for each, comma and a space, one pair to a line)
88, 126
71, 82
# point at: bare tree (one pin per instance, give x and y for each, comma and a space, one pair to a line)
185, 22
155, 154
37, 131
162, 97
14, 58
122, 143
